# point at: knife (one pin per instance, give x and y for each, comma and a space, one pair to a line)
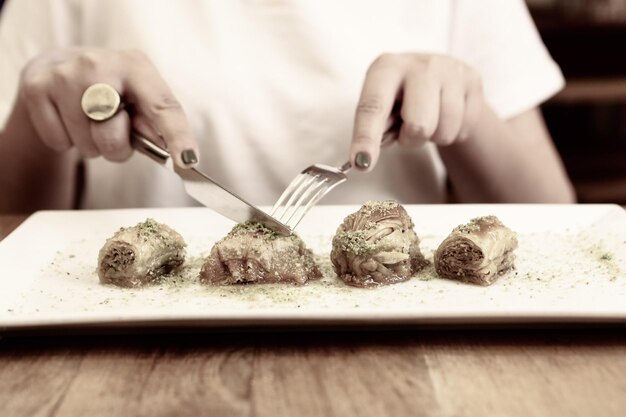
208, 192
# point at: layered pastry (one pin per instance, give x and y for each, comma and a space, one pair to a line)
254, 253
477, 252
135, 256
376, 246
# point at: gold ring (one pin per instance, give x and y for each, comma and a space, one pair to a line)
100, 102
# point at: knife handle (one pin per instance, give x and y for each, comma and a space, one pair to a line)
149, 148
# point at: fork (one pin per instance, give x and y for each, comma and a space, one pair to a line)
313, 183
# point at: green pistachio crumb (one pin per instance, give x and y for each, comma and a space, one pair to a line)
354, 241
254, 227
606, 256
473, 225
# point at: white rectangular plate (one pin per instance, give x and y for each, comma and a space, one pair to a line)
571, 265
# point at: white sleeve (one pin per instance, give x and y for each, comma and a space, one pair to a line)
499, 39
27, 28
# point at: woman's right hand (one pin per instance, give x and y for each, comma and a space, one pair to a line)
53, 83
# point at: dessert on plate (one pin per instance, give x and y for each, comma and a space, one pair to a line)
135, 256
477, 252
376, 246
254, 253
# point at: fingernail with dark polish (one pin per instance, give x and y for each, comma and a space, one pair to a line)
362, 160
189, 157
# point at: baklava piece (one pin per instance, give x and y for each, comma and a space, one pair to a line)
253, 253
477, 252
376, 246
135, 256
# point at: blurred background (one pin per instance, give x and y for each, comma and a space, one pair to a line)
588, 118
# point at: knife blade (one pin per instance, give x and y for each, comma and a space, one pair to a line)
207, 191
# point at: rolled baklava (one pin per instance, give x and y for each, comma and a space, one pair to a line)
135, 256
477, 252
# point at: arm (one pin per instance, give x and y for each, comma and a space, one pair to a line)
33, 176
511, 161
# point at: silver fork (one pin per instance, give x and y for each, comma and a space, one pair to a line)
312, 184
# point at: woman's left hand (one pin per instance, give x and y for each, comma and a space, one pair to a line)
440, 100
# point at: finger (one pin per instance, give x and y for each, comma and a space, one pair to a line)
45, 118
420, 109
473, 108
143, 126
154, 100
450, 114
380, 89
111, 137
77, 125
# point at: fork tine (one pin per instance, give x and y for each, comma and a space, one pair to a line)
311, 192
312, 201
295, 201
293, 185
301, 188
321, 193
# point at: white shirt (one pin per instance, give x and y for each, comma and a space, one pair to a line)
271, 86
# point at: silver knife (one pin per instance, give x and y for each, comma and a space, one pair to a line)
208, 192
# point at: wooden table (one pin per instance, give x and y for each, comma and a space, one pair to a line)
393, 372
